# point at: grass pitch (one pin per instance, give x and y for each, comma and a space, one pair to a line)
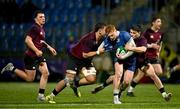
23, 95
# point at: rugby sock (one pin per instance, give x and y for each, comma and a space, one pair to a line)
54, 92
116, 92
13, 69
123, 87
163, 92
105, 84
41, 91
77, 83
133, 84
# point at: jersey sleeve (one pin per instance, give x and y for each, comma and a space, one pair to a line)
32, 32
107, 45
145, 34
86, 45
127, 36
142, 42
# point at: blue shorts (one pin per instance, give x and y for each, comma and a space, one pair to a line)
128, 63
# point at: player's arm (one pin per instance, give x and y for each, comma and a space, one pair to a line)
129, 53
53, 51
30, 44
93, 53
153, 45
140, 49
101, 46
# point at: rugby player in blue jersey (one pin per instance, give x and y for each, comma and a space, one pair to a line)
127, 61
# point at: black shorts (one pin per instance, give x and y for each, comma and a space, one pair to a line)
32, 63
141, 65
76, 64
152, 61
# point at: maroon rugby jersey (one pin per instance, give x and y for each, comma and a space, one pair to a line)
86, 44
36, 32
152, 37
141, 41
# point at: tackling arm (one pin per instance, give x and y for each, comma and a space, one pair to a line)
93, 53
129, 53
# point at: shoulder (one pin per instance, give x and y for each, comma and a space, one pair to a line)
34, 27
88, 37
147, 31
161, 33
125, 33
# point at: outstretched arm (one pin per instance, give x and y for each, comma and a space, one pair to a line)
53, 51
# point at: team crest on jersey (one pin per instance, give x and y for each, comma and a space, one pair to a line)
41, 33
160, 36
118, 40
151, 36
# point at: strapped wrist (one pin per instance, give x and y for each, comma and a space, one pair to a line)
97, 52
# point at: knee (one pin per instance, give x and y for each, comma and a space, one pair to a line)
91, 79
45, 74
159, 73
118, 75
126, 82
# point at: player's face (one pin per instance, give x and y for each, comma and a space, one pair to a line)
157, 24
134, 34
112, 35
102, 31
40, 19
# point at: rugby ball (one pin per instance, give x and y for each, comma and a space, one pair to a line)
121, 50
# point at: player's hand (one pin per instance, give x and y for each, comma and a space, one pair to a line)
53, 51
155, 46
119, 56
39, 53
101, 50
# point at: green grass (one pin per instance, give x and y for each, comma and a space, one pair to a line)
23, 95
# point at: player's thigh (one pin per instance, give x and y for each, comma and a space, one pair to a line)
128, 76
118, 69
43, 68
139, 75
157, 68
150, 71
30, 74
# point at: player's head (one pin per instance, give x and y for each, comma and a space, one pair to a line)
156, 22
135, 31
100, 29
111, 32
39, 17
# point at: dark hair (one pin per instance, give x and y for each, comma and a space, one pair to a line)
137, 28
37, 12
99, 26
154, 18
